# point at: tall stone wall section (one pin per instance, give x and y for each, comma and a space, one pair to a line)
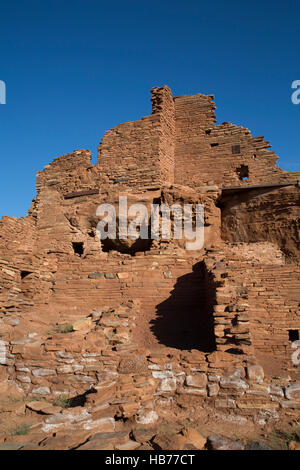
164, 326
263, 214
194, 115
140, 154
257, 304
225, 155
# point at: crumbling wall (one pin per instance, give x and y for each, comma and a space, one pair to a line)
140, 154
226, 155
163, 104
194, 115
99, 368
69, 173
204, 317
263, 214
257, 304
17, 243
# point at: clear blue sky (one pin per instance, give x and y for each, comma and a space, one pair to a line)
75, 68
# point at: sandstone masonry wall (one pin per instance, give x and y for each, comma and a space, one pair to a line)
161, 326
140, 154
263, 214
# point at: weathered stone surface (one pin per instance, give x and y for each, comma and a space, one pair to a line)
133, 328
294, 405
134, 365
31, 446
223, 443
255, 373
96, 275
233, 383
64, 440
24, 378
193, 437
43, 407
84, 323
167, 385
143, 434
293, 445
276, 391
225, 403
122, 275
105, 441
292, 392
197, 381
100, 425
213, 389
129, 445
169, 442
256, 404
11, 445
97, 444
41, 390
257, 446
201, 392
110, 275
43, 372
68, 416
146, 417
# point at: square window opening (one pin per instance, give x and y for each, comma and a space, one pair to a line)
78, 248
293, 335
243, 172
236, 149
24, 274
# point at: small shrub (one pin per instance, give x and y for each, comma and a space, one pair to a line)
297, 434
280, 439
167, 428
291, 435
111, 334
39, 398
62, 401
67, 328
21, 430
49, 332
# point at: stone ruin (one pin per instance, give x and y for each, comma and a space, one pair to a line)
139, 332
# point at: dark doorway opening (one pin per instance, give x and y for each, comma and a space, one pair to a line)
243, 172
293, 335
24, 274
185, 320
139, 245
236, 149
78, 248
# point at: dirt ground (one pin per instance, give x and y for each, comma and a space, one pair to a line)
18, 424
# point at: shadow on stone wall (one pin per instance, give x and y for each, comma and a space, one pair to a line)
185, 320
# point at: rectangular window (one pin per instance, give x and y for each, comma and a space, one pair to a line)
236, 149
243, 172
293, 335
78, 248
25, 274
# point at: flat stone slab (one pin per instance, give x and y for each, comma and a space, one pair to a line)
223, 443
43, 407
12, 445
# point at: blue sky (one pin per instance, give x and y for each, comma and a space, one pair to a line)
76, 68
